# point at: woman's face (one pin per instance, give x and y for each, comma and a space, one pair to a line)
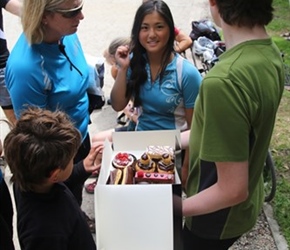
63, 21
154, 33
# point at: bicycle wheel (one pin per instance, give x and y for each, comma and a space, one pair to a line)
269, 178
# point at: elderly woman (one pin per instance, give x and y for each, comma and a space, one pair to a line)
47, 67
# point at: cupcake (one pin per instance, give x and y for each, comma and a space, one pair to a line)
122, 160
145, 164
166, 164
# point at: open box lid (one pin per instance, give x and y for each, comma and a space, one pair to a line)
139, 140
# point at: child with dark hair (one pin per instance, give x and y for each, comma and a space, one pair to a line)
232, 128
39, 151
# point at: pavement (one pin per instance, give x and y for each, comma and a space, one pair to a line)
105, 20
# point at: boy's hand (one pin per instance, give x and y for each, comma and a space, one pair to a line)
92, 163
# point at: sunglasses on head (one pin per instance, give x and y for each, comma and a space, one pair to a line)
71, 13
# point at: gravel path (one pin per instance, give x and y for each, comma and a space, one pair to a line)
259, 238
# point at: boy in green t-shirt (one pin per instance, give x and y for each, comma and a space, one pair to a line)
232, 126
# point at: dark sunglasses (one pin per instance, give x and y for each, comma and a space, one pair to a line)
71, 13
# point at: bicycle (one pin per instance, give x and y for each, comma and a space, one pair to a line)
207, 52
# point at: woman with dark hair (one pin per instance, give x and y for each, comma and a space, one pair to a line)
162, 84
182, 40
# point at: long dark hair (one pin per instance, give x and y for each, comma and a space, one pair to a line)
138, 62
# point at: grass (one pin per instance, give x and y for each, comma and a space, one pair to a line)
280, 146
280, 25
280, 22
280, 143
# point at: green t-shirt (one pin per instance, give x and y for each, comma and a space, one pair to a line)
233, 122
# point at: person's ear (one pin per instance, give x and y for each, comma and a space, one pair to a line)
53, 178
212, 2
44, 20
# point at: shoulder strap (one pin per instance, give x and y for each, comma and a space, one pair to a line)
179, 64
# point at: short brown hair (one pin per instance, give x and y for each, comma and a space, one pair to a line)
246, 12
40, 142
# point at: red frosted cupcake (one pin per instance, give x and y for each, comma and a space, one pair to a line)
122, 160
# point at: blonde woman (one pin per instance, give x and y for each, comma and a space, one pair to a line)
47, 67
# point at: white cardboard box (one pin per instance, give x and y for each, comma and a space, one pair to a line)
138, 217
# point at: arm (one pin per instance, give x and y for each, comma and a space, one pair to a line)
91, 163
185, 138
185, 165
231, 178
114, 71
191, 81
118, 92
230, 189
183, 42
14, 7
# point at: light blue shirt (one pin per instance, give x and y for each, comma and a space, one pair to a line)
163, 106
40, 75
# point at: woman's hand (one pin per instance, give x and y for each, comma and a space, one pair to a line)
122, 57
92, 163
119, 99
